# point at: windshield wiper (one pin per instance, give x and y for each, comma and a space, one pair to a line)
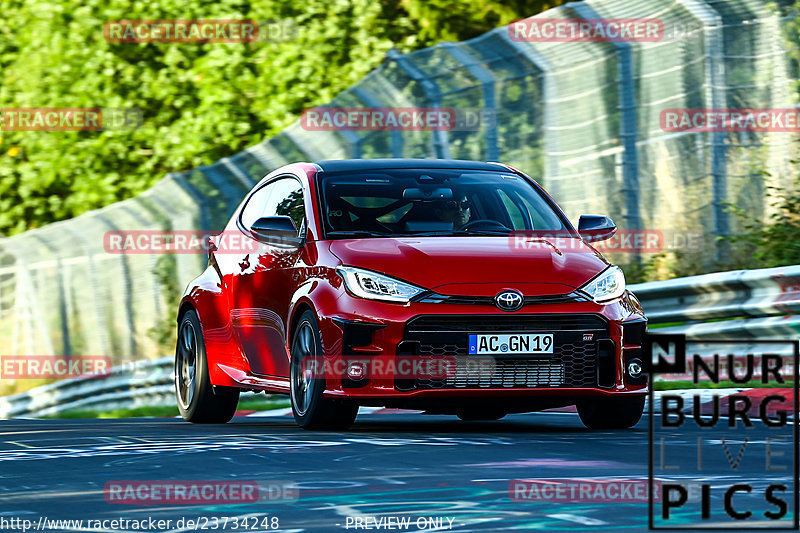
456, 233
357, 233
484, 232
441, 233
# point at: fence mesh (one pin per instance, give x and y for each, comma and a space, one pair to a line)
580, 117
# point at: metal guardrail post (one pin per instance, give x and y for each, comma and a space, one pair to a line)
550, 111
354, 142
441, 145
126, 292
246, 181
203, 219
715, 99
100, 317
630, 129
395, 137
488, 81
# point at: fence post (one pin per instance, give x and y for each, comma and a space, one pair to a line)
629, 131
101, 336
441, 146
550, 111
125, 288
395, 136
489, 100
715, 99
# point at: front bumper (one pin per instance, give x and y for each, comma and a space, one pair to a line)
593, 347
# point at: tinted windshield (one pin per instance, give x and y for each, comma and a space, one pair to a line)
432, 202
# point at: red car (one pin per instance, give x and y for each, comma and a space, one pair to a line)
453, 287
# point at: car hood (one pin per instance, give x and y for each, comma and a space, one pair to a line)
477, 265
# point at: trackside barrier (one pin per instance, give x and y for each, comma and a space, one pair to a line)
765, 298
136, 384
739, 294
583, 117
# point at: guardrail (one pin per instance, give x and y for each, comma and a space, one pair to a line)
135, 384
593, 139
746, 304
741, 304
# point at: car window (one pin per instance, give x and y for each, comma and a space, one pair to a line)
256, 206
514, 212
287, 200
281, 197
433, 202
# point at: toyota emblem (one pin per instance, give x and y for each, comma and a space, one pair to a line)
509, 300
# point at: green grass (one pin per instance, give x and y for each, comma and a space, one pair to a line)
168, 411
725, 384
665, 325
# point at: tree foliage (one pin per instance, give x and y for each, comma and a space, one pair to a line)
772, 242
200, 102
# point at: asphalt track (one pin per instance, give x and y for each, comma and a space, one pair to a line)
388, 464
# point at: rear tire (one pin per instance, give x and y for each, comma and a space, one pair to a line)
198, 400
307, 382
611, 413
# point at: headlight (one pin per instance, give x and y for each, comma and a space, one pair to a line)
375, 286
607, 286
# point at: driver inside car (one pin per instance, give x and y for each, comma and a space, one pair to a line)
455, 211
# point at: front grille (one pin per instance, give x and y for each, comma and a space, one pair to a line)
507, 373
573, 363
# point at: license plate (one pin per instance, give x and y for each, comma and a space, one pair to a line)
512, 343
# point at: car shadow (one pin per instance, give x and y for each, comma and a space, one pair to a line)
561, 423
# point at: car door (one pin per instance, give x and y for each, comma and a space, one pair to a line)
263, 282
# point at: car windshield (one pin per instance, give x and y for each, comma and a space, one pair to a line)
433, 202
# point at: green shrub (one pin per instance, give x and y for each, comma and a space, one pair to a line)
199, 102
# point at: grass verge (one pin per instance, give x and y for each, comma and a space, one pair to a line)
725, 384
169, 411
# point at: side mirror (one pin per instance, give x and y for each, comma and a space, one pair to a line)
278, 230
594, 228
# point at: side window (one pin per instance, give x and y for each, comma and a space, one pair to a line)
287, 200
514, 212
256, 205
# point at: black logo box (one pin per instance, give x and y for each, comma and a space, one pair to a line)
679, 366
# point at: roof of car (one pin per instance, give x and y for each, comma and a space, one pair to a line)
343, 165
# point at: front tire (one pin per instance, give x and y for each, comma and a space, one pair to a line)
198, 400
611, 413
307, 382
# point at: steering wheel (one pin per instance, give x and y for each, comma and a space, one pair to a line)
492, 224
